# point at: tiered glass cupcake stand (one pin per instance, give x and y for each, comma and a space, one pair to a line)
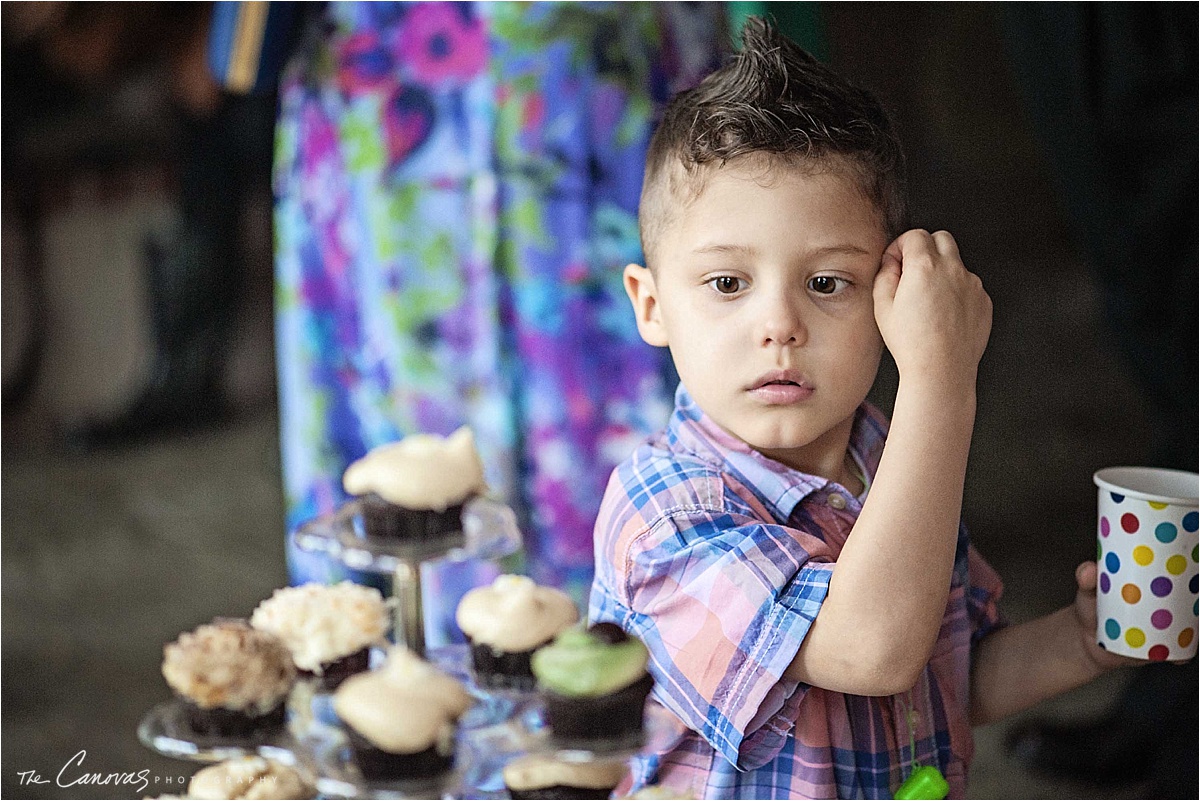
503, 725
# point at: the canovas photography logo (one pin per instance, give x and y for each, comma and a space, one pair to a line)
74, 773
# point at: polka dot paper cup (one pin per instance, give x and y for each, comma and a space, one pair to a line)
1147, 553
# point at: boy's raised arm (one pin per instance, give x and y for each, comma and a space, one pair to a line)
879, 622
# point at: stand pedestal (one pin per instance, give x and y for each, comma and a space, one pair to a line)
489, 532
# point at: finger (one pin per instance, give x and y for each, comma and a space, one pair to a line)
887, 279
1085, 576
911, 242
895, 251
945, 244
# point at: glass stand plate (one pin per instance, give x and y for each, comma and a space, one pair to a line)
489, 531
492, 705
660, 730
165, 729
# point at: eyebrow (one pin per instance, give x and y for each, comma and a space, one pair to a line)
745, 250
749, 250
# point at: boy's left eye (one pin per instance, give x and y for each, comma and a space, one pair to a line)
825, 284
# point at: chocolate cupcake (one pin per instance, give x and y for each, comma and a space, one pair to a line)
595, 685
506, 622
233, 680
329, 629
659, 792
401, 719
249, 777
414, 490
541, 776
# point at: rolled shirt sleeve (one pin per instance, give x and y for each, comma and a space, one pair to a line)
723, 602
984, 588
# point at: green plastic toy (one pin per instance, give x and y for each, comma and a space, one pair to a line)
926, 782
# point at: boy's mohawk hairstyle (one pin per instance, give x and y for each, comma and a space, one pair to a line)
773, 97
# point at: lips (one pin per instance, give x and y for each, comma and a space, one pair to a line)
780, 378
781, 388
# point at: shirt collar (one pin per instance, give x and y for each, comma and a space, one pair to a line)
780, 487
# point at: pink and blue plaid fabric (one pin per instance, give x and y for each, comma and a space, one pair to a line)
719, 559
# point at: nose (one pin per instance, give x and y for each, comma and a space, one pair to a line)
782, 321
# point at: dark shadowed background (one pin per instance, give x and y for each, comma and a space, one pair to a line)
109, 552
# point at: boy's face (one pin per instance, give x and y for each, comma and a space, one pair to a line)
763, 292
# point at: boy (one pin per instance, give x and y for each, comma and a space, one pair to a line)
815, 639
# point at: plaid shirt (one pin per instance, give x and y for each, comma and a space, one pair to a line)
719, 559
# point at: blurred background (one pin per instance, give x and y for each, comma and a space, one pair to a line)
142, 490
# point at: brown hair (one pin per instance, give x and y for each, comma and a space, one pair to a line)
772, 98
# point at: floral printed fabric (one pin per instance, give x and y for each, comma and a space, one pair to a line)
457, 188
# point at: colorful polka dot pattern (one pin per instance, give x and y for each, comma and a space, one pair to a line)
1148, 556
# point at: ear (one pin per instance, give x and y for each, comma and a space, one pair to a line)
643, 294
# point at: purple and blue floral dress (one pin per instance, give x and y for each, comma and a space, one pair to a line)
457, 189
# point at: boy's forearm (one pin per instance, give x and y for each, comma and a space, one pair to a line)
889, 589
1019, 666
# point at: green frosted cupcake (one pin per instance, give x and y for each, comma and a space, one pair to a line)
595, 685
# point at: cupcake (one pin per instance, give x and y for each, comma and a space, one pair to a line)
659, 792
401, 719
249, 777
542, 776
595, 685
415, 489
328, 628
233, 679
506, 622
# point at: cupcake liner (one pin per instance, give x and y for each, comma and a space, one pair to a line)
221, 722
580, 719
502, 670
335, 672
384, 520
377, 765
561, 791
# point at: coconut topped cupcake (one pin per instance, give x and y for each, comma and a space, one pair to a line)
515, 614
543, 776
401, 718
422, 471
324, 624
227, 664
249, 777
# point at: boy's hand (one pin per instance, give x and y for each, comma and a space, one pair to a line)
1085, 616
934, 315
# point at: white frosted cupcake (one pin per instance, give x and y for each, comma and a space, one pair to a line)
506, 622
249, 777
542, 776
658, 792
415, 489
401, 719
329, 629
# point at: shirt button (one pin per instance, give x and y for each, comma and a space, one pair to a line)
837, 501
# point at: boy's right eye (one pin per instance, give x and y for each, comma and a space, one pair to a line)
726, 284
